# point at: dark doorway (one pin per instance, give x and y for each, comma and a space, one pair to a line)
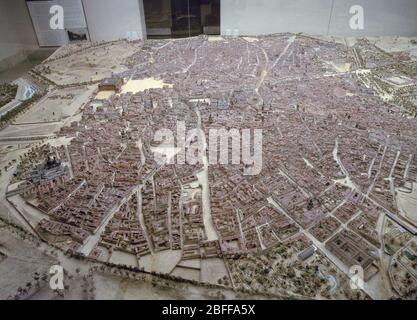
181, 18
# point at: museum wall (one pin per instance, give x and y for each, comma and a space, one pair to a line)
110, 20
256, 17
73, 23
17, 37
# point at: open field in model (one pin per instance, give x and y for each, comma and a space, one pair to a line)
336, 187
57, 106
91, 63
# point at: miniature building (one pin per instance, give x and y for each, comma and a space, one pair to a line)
111, 84
50, 170
307, 253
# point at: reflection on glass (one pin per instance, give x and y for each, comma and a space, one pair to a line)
181, 18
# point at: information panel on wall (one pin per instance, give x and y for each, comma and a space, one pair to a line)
73, 21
